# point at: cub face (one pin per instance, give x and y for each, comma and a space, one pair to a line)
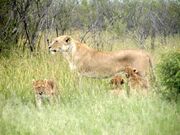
61, 44
43, 89
117, 81
130, 72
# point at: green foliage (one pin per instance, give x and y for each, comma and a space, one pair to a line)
169, 73
84, 107
118, 28
144, 18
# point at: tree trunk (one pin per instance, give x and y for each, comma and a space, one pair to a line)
153, 36
57, 32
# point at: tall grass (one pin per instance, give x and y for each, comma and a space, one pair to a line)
84, 107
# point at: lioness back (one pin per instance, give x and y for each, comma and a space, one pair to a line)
92, 63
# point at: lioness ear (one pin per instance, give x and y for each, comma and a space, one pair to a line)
67, 39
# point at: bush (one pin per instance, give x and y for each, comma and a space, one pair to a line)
169, 74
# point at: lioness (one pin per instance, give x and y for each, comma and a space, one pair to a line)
92, 63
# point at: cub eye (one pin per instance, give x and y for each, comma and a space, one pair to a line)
127, 75
56, 41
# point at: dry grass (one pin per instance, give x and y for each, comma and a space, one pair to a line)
84, 107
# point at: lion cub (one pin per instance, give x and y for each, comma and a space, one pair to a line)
135, 80
44, 90
117, 81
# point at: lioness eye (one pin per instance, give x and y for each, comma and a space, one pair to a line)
56, 41
67, 39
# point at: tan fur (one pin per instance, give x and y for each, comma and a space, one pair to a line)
92, 63
135, 80
43, 89
118, 92
117, 81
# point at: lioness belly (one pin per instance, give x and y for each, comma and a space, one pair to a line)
105, 70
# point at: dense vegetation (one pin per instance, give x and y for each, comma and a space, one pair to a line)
34, 19
85, 108
169, 74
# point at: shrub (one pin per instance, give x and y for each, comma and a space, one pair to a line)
169, 74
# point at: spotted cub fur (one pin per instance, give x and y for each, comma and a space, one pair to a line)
135, 80
44, 90
117, 81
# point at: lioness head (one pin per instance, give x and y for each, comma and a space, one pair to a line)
61, 44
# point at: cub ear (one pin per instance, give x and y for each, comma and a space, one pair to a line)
33, 81
51, 83
67, 39
135, 71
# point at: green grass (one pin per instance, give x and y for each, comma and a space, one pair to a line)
84, 107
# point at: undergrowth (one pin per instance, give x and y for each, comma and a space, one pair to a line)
84, 106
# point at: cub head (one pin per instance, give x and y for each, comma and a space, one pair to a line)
44, 87
117, 80
61, 44
39, 87
131, 72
